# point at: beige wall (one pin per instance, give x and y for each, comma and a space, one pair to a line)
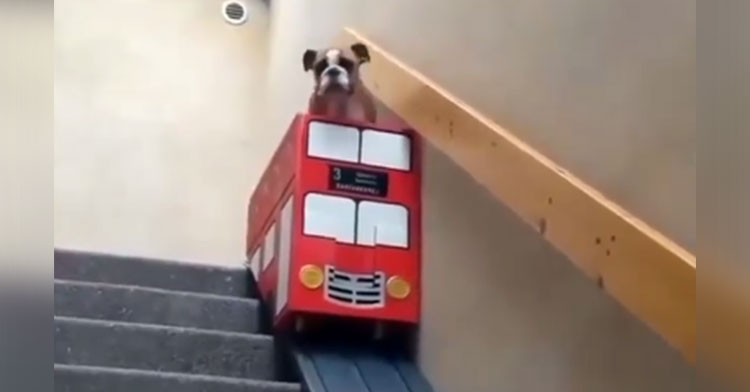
605, 88
503, 311
724, 191
159, 126
25, 144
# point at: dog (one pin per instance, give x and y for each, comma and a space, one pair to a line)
338, 91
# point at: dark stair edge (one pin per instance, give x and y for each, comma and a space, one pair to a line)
97, 266
197, 264
93, 370
155, 290
160, 327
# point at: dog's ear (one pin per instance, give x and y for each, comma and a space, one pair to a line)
308, 59
360, 50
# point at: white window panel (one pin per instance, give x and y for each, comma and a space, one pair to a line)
383, 223
268, 246
329, 216
255, 264
391, 150
285, 254
331, 141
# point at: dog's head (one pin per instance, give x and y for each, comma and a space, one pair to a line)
336, 69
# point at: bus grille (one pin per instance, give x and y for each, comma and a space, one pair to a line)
358, 290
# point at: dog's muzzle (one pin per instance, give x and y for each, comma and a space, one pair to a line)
334, 78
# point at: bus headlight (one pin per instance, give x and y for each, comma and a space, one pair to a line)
311, 276
398, 287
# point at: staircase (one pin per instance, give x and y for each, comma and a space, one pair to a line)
130, 324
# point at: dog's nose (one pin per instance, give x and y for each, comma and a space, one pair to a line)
333, 72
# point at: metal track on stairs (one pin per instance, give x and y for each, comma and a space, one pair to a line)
334, 368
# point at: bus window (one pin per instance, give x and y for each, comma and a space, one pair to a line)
285, 254
329, 216
255, 264
382, 223
268, 246
331, 141
386, 149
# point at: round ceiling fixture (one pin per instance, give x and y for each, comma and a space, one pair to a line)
235, 12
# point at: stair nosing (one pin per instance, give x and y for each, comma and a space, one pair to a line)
155, 290
155, 373
162, 327
150, 259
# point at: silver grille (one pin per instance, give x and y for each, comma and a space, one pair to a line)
358, 290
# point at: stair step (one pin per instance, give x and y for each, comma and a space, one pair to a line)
144, 272
106, 301
97, 379
163, 348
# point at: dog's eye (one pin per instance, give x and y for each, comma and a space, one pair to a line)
321, 66
346, 64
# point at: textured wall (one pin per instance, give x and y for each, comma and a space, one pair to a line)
159, 126
724, 189
605, 88
503, 311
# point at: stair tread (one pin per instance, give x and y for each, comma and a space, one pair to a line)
154, 377
176, 329
129, 303
87, 266
125, 323
164, 348
195, 294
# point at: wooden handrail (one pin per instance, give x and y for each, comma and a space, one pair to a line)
650, 275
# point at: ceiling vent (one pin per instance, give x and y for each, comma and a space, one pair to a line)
235, 12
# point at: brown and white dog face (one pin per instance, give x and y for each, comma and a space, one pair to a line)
336, 69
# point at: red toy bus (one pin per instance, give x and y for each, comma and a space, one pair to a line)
334, 223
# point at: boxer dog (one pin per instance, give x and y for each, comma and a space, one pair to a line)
339, 92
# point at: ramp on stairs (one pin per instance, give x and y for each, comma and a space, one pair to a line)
339, 368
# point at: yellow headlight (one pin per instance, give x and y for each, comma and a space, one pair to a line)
311, 276
398, 287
